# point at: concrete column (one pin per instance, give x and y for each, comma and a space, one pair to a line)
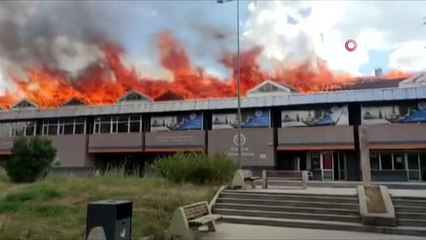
365, 155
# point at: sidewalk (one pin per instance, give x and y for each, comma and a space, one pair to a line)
228, 231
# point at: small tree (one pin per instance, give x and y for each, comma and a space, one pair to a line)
31, 159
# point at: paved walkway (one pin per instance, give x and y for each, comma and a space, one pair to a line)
228, 231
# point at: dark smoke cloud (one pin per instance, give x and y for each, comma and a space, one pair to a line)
55, 34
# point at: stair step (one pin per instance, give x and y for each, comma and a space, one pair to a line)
289, 215
411, 222
277, 208
328, 225
413, 208
288, 203
411, 215
421, 204
309, 198
291, 194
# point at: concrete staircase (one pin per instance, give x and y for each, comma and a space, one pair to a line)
410, 212
326, 211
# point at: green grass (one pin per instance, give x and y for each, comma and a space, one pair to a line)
375, 203
55, 208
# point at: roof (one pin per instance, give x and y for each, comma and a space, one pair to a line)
365, 95
372, 83
269, 87
74, 101
23, 103
418, 80
133, 95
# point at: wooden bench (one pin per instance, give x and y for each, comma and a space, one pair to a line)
187, 219
301, 176
242, 177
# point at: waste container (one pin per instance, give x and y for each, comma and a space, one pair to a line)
114, 216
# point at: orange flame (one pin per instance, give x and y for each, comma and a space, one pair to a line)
108, 79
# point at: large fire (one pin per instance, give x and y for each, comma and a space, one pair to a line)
108, 79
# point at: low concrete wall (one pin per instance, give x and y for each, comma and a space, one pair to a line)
376, 219
73, 171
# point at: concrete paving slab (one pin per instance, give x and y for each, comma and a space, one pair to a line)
227, 231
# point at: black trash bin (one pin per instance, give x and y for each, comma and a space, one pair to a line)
115, 216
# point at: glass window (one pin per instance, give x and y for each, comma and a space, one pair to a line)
123, 127
374, 161
135, 127
398, 161
315, 159
69, 129
52, 130
386, 161
135, 118
79, 128
413, 161
105, 127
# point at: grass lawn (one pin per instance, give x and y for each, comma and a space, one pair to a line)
56, 207
375, 203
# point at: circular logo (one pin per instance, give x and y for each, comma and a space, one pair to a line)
243, 139
350, 45
258, 113
192, 116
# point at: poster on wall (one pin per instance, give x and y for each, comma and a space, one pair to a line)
256, 118
335, 115
186, 121
401, 113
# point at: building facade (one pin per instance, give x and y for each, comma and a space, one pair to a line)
316, 132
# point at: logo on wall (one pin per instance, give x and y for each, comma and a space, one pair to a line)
243, 139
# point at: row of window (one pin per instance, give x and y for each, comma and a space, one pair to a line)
395, 160
70, 126
15, 129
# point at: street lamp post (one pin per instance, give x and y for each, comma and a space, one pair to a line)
240, 163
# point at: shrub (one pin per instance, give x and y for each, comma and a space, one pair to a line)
195, 168
31, 159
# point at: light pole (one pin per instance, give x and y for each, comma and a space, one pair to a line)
240, 163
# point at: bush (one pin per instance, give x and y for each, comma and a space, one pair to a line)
31, 159
196, 168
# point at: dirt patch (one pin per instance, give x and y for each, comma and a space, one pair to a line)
375, 202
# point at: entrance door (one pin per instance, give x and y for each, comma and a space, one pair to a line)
339, 165
413, 164
327, 166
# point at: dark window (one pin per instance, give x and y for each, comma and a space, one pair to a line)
135, 127
398, 161
123, 127
413, 161
69, 129
52, 130
386, 160
374, 161
105, 127
79, 128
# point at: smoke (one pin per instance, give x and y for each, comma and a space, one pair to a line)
58, 35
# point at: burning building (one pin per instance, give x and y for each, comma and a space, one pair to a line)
282, 128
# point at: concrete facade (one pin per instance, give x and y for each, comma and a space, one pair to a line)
257, 145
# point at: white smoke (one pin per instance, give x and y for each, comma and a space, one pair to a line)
375, 25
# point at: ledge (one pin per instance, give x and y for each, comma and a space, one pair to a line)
376, 219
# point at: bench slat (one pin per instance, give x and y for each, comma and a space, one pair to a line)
204, 219
197, 210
